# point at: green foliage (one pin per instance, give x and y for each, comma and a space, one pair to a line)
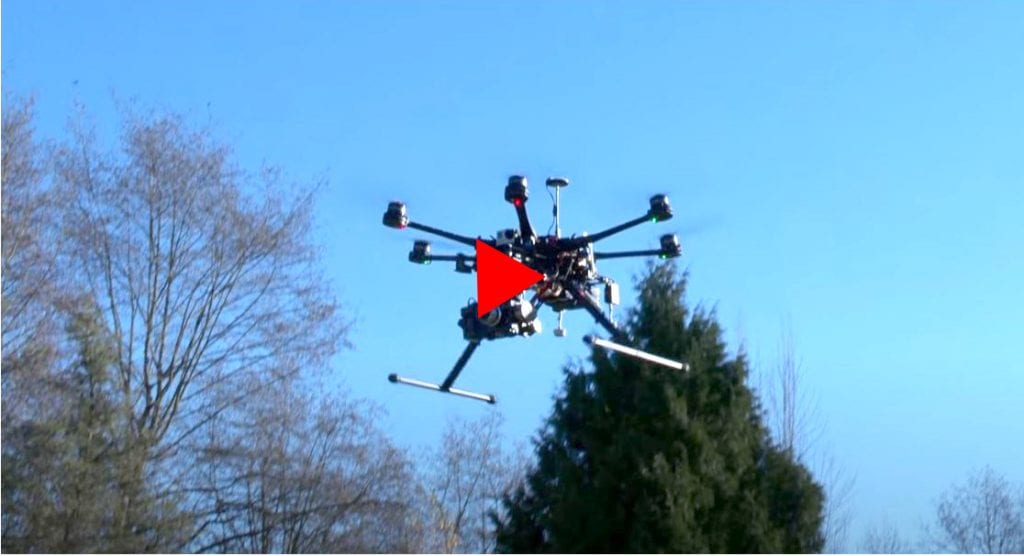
640, 458
73, 482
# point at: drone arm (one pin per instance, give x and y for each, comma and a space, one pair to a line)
452, 257
595, 311
463, 263
660, 211
516, 193
615, 229
670, 249
621, 254
465, 240
397, 217
421, 254
525, 228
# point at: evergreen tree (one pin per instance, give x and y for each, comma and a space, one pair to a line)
74, 482
640, 458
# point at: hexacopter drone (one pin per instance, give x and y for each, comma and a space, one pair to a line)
565, 272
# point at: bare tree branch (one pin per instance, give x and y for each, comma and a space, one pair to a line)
986, 514
798, 426
884, 538
466, 477
30, 294
290, 480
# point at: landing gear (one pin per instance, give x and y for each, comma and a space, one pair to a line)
446, 386
633, 352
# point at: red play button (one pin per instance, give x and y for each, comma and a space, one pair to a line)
499, 278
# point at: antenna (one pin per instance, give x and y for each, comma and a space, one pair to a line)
557, 184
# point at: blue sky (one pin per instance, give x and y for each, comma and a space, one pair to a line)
852, 168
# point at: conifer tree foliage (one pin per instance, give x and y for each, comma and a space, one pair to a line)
641, 458
74, 482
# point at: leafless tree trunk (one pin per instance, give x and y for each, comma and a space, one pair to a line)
984, 515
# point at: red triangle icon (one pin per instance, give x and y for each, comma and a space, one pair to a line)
499, 278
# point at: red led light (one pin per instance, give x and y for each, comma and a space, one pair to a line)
517, 202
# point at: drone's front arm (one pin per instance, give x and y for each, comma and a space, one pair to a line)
659, 212
396, 217
421, 254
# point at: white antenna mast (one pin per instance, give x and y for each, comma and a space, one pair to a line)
557, 184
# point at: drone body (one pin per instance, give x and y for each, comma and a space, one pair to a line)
563, 275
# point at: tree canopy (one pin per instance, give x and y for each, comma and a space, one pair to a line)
640, 458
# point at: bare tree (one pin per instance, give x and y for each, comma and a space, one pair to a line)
206, 276
466, 477
839, 485
798, 426
208, 287
986, 514
30, 326
61, 464
206, 273
884, 538
793, 412
299, 475
69, 479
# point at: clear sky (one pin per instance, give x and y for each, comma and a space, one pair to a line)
854, 168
